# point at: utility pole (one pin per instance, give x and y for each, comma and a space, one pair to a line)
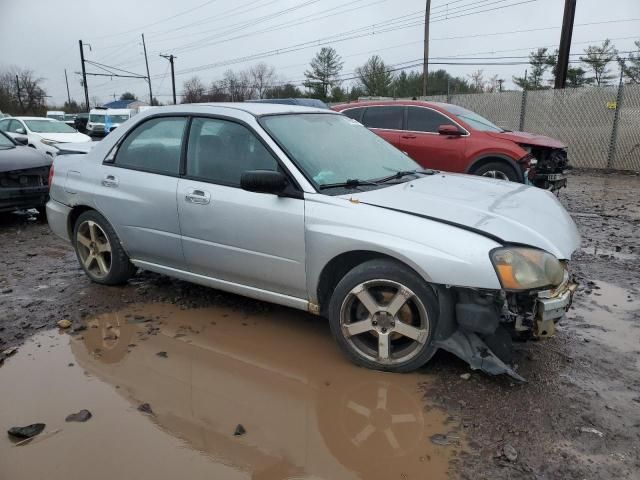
19, 95
171, 58
425, 63
500, 82
146, 61
565, 43
84, 76
66, 79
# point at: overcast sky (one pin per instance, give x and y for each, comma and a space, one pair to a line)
42, 35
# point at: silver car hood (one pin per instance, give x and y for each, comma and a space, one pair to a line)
508, 212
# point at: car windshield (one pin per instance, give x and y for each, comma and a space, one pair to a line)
48, 126
96, 118
5, 142
118, 118
334, 149
55, 117
472, 119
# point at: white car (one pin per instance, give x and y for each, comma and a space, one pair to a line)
42, 133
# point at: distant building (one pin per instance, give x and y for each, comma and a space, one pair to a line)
130, 104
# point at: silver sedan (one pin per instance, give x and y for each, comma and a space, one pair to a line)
306, 208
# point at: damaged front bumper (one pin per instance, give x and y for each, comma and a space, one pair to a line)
488, 321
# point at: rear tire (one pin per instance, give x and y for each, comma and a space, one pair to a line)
498, 170
383, 316
99, 251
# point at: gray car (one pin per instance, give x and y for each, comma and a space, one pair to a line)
306, 208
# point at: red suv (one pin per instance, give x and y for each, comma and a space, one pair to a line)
443, 136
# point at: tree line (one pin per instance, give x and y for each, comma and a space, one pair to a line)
22, 92
596, 60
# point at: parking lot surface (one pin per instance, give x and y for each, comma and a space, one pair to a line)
187, 381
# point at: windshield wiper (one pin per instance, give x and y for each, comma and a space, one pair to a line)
405, 173
349, 183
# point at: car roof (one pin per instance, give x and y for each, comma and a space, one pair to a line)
36, 118
255, 109
401, 103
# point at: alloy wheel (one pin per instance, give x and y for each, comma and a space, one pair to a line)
384, 321
94, 248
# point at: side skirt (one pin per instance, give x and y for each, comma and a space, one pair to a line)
251, 292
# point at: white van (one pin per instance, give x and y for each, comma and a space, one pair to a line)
55, 115
111, 117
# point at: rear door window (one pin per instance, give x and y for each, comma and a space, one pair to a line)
425, 120
154, 146
389, 118
355, 113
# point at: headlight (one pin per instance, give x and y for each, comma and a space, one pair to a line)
526, 268
48, 142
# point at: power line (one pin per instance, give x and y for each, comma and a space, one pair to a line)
324, 41
137, 29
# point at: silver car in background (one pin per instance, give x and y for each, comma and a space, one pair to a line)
306, 208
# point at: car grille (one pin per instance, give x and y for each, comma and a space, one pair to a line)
33, 177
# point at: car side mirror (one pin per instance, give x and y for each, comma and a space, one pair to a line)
263, 181
449, 130
22, 140
21, 130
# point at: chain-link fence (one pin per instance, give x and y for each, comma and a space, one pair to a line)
600, 125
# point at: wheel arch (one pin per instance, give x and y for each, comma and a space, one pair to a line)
493, 157
78, 210
336, 268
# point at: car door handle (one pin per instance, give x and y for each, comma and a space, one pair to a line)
110, 181
408, 136
199, 197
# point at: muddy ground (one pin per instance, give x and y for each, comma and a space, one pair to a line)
207, 362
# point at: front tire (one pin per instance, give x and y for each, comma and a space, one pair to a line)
99, 251
383, 316
499, 171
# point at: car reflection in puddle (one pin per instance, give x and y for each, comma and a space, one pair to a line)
307, 411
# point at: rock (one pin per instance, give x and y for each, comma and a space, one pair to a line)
145, 408
239, 430
439, 439
592, 430
509, 453
465, 376
64, 323
8, 352
26, 432
162, 354
7, 290
81, 416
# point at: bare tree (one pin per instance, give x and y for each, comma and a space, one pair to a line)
477, 80
21, 92
193, 91
238, 85
262, 78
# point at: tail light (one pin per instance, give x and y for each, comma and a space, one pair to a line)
50, 176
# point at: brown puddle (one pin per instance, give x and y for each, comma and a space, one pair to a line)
307, 411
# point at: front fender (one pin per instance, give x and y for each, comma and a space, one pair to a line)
440, 253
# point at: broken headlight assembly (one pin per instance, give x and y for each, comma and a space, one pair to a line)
521, 268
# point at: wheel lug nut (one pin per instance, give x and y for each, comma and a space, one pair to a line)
393, 324
375, 322
384, 330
